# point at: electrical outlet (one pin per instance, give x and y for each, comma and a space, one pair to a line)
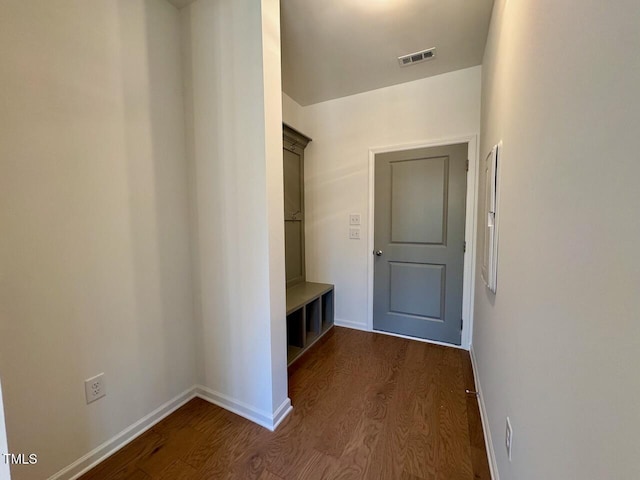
508, 438
94, 388
354, 233
354, 219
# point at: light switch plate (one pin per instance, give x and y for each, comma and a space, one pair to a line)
354, 219
354, 233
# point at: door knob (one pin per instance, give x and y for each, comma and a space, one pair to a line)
378, 253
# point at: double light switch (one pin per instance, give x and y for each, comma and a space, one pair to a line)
354, 231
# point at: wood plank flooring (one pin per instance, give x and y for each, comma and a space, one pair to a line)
366, 406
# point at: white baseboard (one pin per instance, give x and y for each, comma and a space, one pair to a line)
423, 340
111, 446
493, 465
281, 413
365, 328
262, 418
349, 324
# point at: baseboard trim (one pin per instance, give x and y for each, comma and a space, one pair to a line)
493, 465
260, 417
422, 340
126, 436
365, 328
111, 446
282, 412
353, 325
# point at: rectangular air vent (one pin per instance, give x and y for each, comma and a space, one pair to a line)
417, 57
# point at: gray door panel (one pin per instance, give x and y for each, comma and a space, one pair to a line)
293, 239
293, 214
420, 198
418, 182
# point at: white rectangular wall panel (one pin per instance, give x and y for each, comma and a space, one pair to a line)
490, 258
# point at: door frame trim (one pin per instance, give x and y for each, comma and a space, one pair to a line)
471, 225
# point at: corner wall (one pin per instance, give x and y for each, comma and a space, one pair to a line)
94, 250
557, 346
234, 113
292, 113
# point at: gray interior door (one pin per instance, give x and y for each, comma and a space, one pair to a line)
419, 242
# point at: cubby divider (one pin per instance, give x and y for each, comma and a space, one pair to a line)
310, 314
327, 311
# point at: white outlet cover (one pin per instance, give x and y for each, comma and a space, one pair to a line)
354, 233
354, 219
94, 388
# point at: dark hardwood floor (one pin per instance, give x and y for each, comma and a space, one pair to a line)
366, 406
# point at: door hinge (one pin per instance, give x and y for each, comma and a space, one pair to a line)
467, 165
464, 248
461, 323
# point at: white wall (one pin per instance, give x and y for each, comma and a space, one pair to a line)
292, 112
94, 251
271, 74
557, 346
232, 75
337, 168
5, 473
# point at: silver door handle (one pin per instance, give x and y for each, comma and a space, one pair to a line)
378, 253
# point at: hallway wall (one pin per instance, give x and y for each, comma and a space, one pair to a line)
94, 250
557, 346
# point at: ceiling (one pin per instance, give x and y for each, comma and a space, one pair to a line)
334, 48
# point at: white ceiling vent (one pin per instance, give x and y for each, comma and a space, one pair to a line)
417, 57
